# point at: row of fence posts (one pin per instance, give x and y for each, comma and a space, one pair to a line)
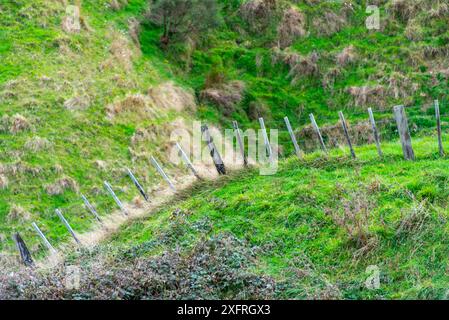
403, 130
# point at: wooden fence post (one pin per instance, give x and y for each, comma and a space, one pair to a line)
116, 199
218, 161
138, 186
187, 162
293, 137
91, 208
25, 254
345, 129
318, 132
44, 239
440, 139
404, 132
67, 225
375, 132
240, 142
162, 173
266, 140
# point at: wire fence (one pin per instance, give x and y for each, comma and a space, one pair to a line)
410, 119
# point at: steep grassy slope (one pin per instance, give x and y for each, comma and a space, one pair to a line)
333, 63
310, 231
318, 224
56, 138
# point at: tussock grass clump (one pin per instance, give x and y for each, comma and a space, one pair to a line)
77, 103
18, 214
61, 185
226, 96
368, 95
354, 217
258, 13
328, 23
166, 96
3, 182
347, 56
14, 124
36, 144
291, 27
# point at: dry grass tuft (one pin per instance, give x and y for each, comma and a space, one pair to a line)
258, 13
118, 4
14, 124
134, 30
414, 220
292, 26
169, 96
328, 23
225, 96
121, 52
77, 103
61, 185
18, 214
347, 56
3, 182
414, 31
354, 217
36, 144
368, 95
136, 103
165, 96
304, 67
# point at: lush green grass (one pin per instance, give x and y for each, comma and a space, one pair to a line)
34, 47
288, 216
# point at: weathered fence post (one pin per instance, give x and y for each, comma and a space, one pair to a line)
318, 132
187, 162
138, 185
375, 132
240, 142
67, 225
266, 140
440, 139
404, 132
293, 138
345, 129
218, 161
25, 254
91, 208
44, 239
162, 173
116, 199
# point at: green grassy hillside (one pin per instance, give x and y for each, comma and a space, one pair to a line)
76, 108
312, 231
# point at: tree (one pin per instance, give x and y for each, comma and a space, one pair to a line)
183, 18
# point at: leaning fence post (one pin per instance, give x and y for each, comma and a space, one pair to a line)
116, 199
375, 132
240, 142
318, 132
293, 137
266, 140
44, 239
187, 162
91, 208
162, 173
218, 161
404, 132
440, 139
138, 185
25, 254
345, 129
67, 225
